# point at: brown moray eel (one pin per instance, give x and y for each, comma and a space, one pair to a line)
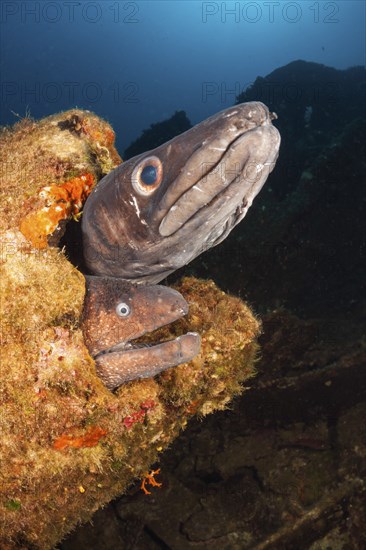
116, 312
159, 210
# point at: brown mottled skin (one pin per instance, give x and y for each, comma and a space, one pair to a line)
117, 312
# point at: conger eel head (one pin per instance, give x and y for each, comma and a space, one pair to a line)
159, 210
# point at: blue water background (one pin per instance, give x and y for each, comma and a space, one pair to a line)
136, 63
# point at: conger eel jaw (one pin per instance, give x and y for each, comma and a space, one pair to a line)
159, 210
116, 312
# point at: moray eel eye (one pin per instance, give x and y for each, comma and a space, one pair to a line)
123, 310
147, 176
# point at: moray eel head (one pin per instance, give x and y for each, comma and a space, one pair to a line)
159, 210
117, 312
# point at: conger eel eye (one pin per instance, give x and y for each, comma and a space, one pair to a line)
147, 176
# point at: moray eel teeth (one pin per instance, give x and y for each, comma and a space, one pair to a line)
116, 313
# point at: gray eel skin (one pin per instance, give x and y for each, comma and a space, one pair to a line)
159, 210
117, 312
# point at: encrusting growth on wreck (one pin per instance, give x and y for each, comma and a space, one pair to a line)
69, 445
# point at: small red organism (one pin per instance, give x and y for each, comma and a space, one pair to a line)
147, 405
192, 407
139, 416
149, 478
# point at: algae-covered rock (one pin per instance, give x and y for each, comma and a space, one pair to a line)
68, 445
49, 168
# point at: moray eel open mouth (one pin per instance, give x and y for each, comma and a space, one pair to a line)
117, 313
140, 344
159, 210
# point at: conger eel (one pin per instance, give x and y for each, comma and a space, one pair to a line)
159, 210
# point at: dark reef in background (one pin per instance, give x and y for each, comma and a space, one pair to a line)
302, 243
158, 133
314, 103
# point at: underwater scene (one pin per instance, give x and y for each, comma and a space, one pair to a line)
182, 275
